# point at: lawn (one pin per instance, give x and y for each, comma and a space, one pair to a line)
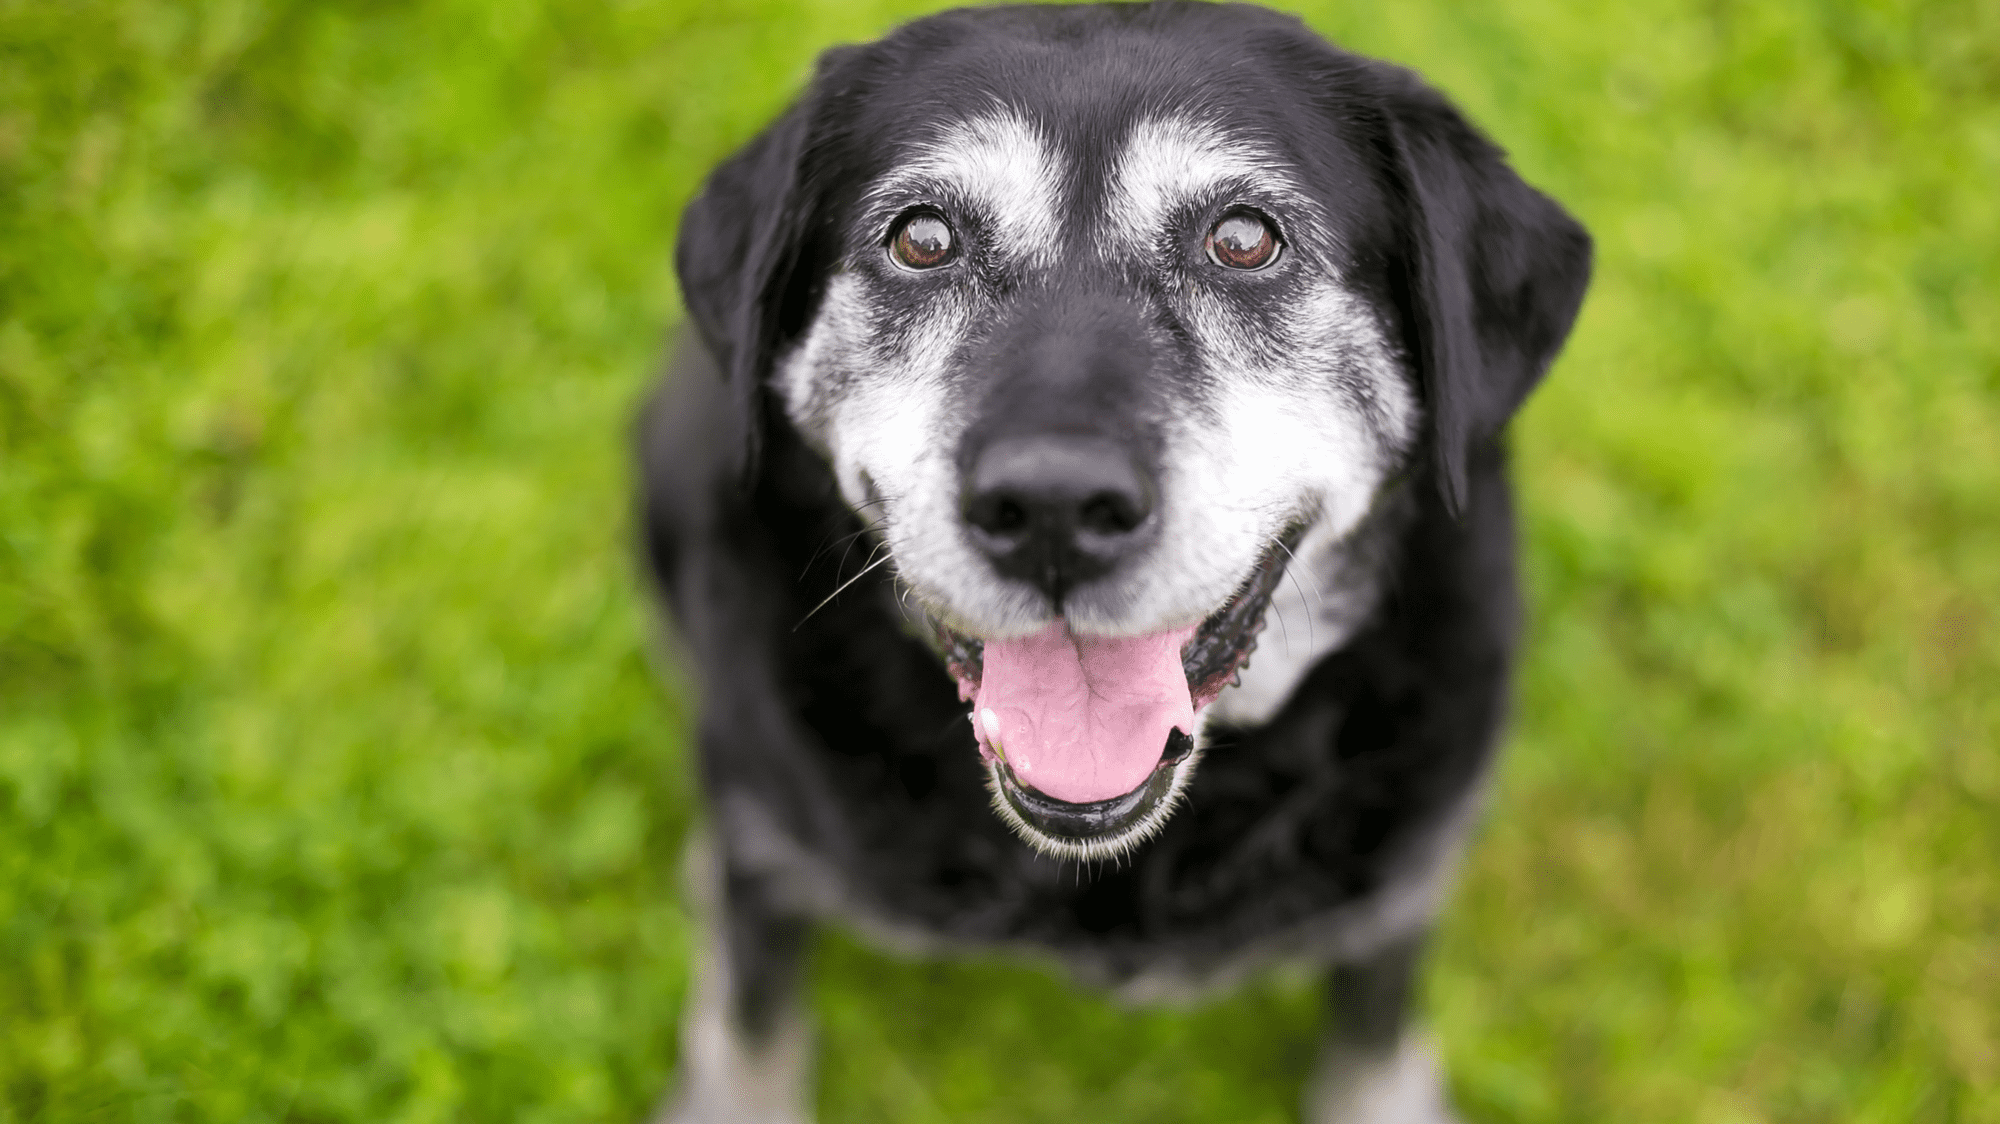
337, 781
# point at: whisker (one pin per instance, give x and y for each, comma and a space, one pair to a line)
1292, 573
847, 538
829, 542
842, 589
842, 564
1312, 641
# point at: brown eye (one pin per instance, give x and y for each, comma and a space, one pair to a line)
1242, 241
924, 241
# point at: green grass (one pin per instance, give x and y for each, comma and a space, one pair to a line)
335, 782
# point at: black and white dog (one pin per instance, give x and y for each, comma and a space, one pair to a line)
1041, 356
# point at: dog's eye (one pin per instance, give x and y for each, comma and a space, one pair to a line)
1242, 241
924, 241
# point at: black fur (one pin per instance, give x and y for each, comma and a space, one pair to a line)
840, 769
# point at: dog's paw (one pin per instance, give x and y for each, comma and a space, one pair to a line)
699, 1104
1359, 1086
721, 1083
729, 1079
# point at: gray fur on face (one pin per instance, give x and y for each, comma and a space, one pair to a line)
1297, 424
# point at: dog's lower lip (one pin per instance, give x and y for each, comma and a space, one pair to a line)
1100, 819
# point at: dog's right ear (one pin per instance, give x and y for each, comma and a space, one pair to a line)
742, 254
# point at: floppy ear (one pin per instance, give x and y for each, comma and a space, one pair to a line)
741, 255
1499, 270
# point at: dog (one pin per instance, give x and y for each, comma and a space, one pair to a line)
1040, 358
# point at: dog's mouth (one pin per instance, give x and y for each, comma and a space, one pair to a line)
1089, 740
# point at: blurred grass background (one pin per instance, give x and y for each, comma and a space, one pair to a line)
336, 785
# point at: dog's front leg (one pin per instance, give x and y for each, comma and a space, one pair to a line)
1374, 1068
746, 1050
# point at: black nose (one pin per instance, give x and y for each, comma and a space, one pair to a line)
1057, 509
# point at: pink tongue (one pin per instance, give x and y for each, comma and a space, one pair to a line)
1083, 718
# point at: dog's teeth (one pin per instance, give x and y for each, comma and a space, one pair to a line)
990, 722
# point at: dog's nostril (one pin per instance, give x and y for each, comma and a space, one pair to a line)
1008, 516
997, 513
1110, 513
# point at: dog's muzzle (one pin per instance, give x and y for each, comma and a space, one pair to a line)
1073, 817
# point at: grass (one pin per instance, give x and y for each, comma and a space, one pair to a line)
335, 783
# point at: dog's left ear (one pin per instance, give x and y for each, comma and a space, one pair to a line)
1499, 271
741, 254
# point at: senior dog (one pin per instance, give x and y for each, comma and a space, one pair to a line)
1041, 355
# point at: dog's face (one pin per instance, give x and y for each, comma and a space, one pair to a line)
1094, 312
1149, 302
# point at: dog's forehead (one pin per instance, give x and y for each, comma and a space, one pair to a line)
1001, 163
1168, 161
1031, 173
1047, 123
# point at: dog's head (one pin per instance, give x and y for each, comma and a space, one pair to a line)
1094, 310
